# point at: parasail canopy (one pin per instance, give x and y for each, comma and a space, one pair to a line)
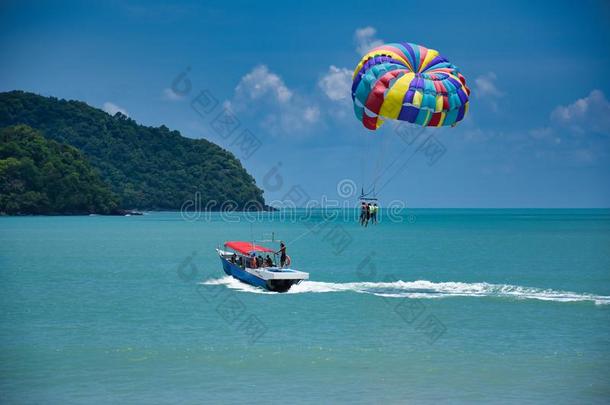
408, 82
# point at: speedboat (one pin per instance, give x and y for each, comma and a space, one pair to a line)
239, 260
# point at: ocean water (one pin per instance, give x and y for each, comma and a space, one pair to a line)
430, 305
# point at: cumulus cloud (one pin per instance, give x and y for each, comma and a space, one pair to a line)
547, 134
336, 83
169, 94
485, 88
575, 130
485, 85
311, 114
365, 39
590, 114
112, 109
541, 133
261, 82
291, 120
280, 110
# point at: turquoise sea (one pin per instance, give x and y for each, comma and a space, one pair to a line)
463, 306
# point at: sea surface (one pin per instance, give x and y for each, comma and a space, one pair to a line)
461, 306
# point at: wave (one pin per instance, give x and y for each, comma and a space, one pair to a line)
423, 289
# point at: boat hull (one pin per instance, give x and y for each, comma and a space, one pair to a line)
277, 285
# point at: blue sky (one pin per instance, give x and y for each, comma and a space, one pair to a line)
537, 134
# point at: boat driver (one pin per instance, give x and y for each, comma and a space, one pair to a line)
282, 253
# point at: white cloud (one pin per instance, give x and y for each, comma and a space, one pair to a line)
336, 83
485, 85
292, 119
586, 115
261, 82
311, 114
485, 88
547, 134
541, 133
277, 108
112, 109
569, 126
365, 39
169, 94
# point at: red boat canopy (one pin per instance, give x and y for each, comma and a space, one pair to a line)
246, 248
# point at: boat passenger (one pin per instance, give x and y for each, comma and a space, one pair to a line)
268, 261
233, 258
259, 261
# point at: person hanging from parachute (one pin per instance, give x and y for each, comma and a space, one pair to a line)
362, 213
410, 83
374, 209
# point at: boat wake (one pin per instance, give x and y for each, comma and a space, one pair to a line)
423, 289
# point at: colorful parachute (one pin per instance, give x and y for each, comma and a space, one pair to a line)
408, 82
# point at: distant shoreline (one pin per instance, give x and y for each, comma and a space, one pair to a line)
120, 213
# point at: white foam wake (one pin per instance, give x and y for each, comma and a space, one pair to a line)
423, 289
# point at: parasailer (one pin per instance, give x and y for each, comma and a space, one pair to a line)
410, 83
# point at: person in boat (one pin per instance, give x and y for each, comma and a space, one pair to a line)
268, 261
282, 253
240, 261
259, 261
233, 258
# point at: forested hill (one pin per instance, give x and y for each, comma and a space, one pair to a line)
148, 168
41, 176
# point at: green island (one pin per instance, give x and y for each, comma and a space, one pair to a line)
66, 157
